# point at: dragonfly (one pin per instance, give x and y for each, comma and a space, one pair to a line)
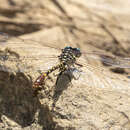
62, 59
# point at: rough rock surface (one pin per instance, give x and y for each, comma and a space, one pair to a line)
98, 100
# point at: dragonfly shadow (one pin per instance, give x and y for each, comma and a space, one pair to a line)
45, 118
62, 83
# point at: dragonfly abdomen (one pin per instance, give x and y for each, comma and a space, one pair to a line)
40, 81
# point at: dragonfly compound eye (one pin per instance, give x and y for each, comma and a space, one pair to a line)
67, 48
77, 52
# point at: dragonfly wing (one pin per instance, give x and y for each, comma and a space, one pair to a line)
24, 60
108, 59
102, 78
26, 55
116, 61
27, 64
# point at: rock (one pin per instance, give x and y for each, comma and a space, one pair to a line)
97, 99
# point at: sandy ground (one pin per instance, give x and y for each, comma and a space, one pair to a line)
99, 99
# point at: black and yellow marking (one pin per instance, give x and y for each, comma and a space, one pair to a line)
67, 58
40, 81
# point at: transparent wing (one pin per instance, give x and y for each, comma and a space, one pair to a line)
26, 55
23, 64
95, 75
25, 60
100, 77
108, 59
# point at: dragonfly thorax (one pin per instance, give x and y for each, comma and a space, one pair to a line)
69, 55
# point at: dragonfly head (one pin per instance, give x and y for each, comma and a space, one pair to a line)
76, 51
